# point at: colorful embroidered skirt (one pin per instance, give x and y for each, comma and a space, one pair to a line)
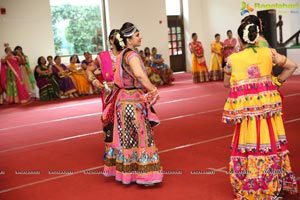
132, 155
259, 164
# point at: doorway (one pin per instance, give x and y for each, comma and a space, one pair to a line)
176, 35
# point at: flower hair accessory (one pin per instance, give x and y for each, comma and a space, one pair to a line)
6, 45
121, 42
246, 33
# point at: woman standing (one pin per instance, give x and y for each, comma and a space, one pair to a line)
229, 46
100, 74
132, 156
80, 76
199, 68
259, 165
103, 80
48, 87
15, 88
28, 77
216, 59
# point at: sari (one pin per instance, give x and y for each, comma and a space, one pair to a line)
228, 51
66, 84
259, 165
216, 61
199, 68
48, 86
82, 83
28, 77
131, 156
152, 72
15, 88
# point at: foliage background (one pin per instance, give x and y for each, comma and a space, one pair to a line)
77, 29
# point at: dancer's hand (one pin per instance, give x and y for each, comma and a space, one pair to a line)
152, 97
154, 100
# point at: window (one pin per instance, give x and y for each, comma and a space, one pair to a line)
175, 43
173, 7
77, 26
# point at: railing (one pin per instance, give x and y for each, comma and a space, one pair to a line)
295, 36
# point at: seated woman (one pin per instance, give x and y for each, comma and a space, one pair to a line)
152, 72
87, 61
63, 77
50, 61
165, 72
48, 86
80, 76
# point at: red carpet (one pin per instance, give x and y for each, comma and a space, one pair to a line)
65, 136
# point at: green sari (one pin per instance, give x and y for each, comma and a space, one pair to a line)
30, 74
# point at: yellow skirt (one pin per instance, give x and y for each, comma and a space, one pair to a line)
199, 69
259, 165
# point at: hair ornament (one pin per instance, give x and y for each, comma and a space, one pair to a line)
121, 42
246, 33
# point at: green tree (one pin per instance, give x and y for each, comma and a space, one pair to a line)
82, 31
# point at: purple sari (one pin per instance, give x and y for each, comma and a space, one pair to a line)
66, 85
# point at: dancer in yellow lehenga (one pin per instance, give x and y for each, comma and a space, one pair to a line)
259, 164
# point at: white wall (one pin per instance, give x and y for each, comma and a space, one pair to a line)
146, 16
27, 23
209, 17
293, 54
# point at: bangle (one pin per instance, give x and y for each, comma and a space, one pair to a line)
94, 82
92, 78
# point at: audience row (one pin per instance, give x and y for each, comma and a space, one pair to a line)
56, 80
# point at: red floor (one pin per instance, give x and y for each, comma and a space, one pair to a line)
65, 136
